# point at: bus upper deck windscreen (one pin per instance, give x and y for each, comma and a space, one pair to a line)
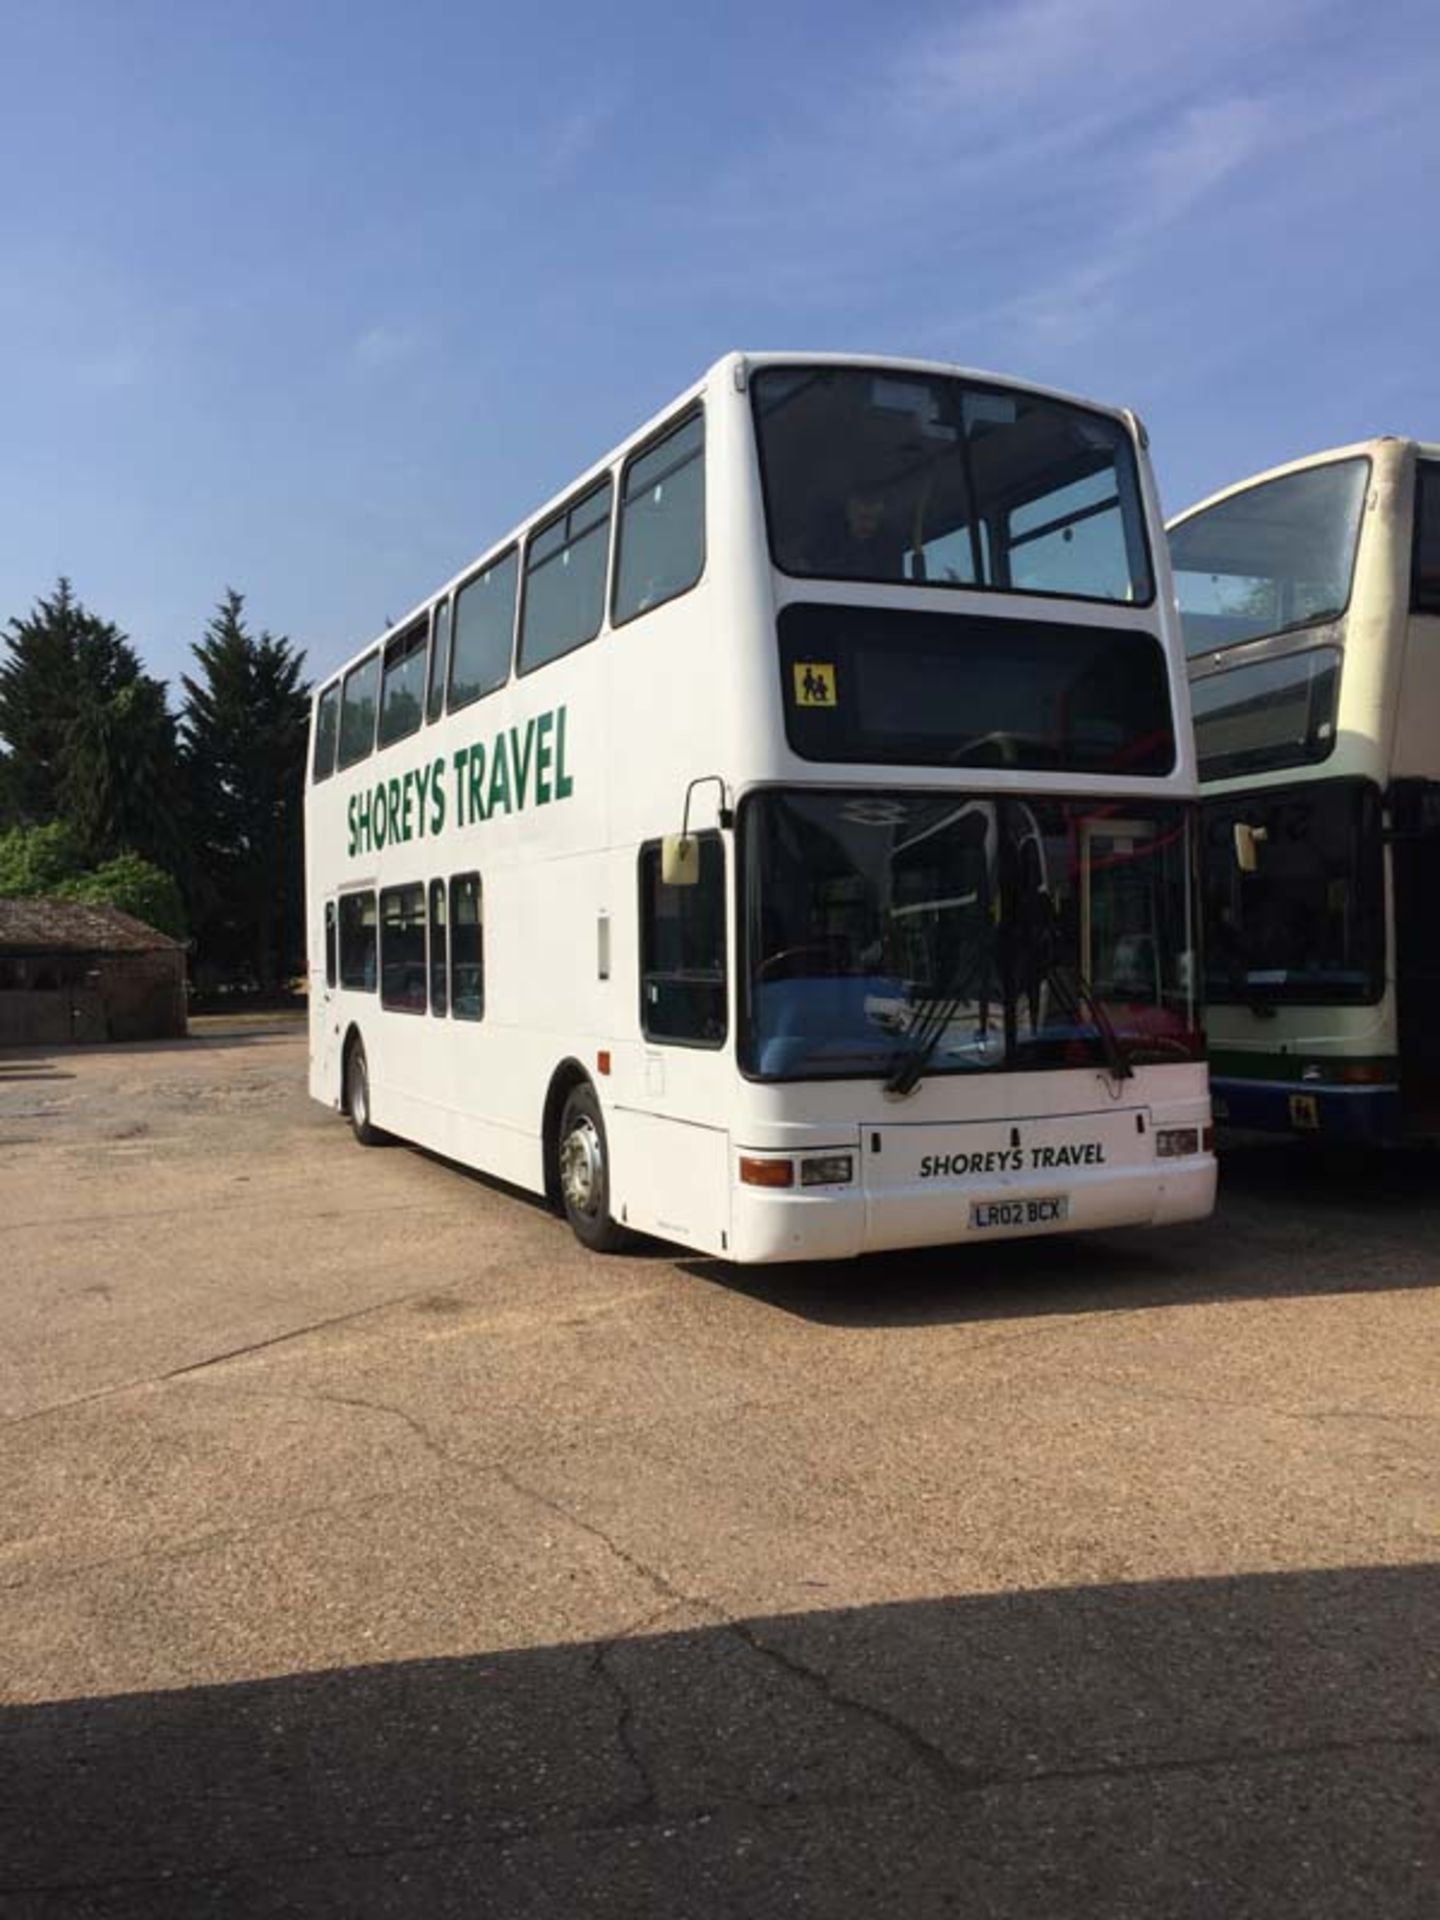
1271, 558
930, 480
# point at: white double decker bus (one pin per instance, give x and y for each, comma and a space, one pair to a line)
1310, 601
781, 843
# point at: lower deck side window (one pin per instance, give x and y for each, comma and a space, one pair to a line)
467, 947
402, 948
439, 968
357, 942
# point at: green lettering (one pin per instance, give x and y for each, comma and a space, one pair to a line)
564, 785
407, 805
437, 797
499, 778
381, 815
521, 762
542, 758
458, 759
392, 798
350, 822
477, 783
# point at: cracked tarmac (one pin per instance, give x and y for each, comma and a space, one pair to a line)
366, 1547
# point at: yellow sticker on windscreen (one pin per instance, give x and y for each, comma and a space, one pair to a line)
814, 683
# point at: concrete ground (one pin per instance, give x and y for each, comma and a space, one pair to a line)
368, 1548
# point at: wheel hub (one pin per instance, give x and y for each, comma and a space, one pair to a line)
582, 1167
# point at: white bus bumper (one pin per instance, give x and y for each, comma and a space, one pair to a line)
919, 1186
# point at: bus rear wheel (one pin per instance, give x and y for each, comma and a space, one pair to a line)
357, 1097
584, 1165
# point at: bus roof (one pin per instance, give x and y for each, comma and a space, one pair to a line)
739, 365
1426, 450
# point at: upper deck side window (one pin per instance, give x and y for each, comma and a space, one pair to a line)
402, 687
357, 710
928, 480
565, 564
1425, 567
439, 661
1275, 556
660, 545
484, 633
327, 733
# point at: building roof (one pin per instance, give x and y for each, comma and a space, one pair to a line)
71, 926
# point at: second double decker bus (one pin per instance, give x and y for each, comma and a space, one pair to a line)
1310, 599
781, 843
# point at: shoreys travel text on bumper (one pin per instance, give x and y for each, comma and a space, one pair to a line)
942, 1166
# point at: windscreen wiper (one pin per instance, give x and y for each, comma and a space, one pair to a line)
930, 1029
1076, 996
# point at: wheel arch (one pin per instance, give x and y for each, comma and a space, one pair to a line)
563, 1082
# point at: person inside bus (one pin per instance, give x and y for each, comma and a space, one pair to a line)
859, 541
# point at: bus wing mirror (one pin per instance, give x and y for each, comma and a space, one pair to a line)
680, 860
1248, 841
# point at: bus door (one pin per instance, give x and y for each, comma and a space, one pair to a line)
324, 1013
1415, 878
677, 1131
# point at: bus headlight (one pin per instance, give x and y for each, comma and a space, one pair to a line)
1176, 1143
827, 1170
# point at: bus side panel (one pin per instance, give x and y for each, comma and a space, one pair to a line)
672, 1178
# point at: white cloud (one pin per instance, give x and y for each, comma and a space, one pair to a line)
1049, 151
384, 346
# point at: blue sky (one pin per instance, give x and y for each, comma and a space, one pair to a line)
316, 299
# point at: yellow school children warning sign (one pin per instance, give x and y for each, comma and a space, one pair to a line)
814, 683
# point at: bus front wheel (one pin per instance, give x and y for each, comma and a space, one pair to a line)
585, 1173
357, 1097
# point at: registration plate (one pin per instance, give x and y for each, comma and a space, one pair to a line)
1029, 1212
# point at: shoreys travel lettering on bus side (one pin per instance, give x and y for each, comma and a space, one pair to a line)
781, 844
522, 766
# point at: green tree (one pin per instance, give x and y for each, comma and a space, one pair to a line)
49, 863
36, 861
61, 659
243, 727
121, 787
136, 887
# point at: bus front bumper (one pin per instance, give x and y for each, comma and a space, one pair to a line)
963, 1185
1363, 1115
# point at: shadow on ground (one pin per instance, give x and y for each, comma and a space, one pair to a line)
1260, 1745
1289, 1223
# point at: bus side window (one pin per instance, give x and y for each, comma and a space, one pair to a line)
357, 710
565, 561
484, 631
682, 950
331, 945
357, 942
439, 661
439, 959
661, 539
327, 733
467, 947
402, 948
1425, 581
402, 690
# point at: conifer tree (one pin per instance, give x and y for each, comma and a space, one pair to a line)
243, 727
62, 663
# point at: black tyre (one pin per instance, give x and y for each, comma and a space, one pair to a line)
357, 1097
584, 1163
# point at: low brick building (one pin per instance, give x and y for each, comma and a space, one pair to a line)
70, 972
